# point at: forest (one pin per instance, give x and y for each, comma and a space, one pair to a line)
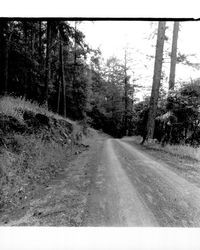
99, 123
50, 62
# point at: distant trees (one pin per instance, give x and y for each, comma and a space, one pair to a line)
108, 98
112, 98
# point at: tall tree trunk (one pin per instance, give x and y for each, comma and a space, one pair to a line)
40, 57
173, 56
74, 71
8, 37
125, 95
25, 78
31, 79
156, 79
6, 67
32, 41
75, 55
62, 76
59, 94
40, 42
47, 64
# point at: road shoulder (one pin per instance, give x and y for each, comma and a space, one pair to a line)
62, 201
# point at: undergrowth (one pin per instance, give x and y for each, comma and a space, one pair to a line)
33, 155
182, 151
15, 106
35, 164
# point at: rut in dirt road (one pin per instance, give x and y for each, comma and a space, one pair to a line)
114, 200
133, 189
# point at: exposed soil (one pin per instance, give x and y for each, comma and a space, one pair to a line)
134, 188
34, 148
114, 183
188, 168
62, 200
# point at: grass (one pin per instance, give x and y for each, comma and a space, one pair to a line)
30, 160
26, 160
21, 172
182, 151
14, 106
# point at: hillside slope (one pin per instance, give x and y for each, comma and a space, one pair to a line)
35, 146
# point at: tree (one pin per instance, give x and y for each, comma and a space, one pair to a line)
47, 62
173, 56
62, 77
125, 94
7, 40
128, 92
112, 97
185, 105
156, 79
75, 53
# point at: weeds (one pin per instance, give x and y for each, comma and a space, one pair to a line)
16, 106
28, 159
182, 151
35, 164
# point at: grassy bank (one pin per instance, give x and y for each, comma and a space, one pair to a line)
182, 151
35, 145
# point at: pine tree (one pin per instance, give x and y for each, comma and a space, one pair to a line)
125, 95
156, 79
173, 56
62, 77
47, 63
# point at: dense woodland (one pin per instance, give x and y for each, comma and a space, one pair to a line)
50, 62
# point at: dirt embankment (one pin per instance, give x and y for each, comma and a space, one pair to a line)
63, 200
34, 148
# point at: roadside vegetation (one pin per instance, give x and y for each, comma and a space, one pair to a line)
180, 151
183, 151
35, 146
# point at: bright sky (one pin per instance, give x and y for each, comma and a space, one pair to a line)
113, 36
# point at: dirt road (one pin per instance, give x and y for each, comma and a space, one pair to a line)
113, 183
133, 189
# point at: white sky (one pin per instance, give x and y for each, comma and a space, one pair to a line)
113, 36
